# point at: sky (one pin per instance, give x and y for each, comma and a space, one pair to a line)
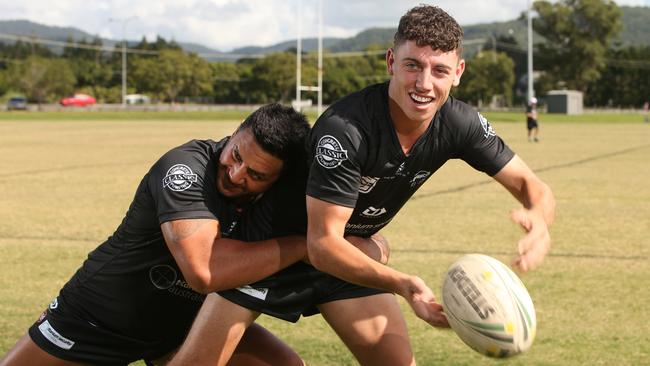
227, 24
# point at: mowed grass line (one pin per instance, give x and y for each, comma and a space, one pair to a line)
66, 185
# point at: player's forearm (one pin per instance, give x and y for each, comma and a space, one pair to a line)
338, 257
235, 263
537, 196
547, 204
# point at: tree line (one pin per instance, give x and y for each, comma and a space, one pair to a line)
575, 52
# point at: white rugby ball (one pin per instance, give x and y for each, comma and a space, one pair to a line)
488, 306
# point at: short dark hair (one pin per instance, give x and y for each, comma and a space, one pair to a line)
280, 131
429, 25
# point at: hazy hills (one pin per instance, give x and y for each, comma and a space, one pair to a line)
636, 28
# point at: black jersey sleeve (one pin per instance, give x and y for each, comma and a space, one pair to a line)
337, 150
481, 147
182, 184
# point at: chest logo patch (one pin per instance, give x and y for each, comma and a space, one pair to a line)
367, 184
373, 212
179, 178
329, 153
487, 127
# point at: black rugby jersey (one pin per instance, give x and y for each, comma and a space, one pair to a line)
357, 160
131, 284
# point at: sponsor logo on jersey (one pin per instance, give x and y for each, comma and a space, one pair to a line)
54, 304
329, 153
258, 293
53, 336
162, 276
179, 178
367, 184
419, 177
487, 127
165, 277
364, 229
373, 212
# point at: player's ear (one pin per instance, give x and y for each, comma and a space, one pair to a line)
459, 71
390, 60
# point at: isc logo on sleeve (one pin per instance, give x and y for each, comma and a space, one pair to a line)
179, 178
329, 153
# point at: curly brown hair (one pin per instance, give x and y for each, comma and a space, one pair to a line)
429, 25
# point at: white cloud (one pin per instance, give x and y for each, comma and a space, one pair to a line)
228, 24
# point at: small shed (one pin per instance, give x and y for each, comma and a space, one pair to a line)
564, 101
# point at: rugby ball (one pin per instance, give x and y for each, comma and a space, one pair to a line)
488, 306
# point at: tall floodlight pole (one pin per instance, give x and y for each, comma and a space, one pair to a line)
320, 57
124, 21
531, 90
299, 56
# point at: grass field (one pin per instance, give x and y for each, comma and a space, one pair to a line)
66, 183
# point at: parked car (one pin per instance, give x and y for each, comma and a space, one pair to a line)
78, 100
132, 99
17, 104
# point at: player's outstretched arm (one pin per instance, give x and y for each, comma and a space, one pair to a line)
330, 252
210, 262
536, 216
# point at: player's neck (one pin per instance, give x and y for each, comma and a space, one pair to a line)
408, 131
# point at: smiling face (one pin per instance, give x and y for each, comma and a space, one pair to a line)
245, 169
421, 79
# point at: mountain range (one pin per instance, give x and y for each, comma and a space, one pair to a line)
636, 28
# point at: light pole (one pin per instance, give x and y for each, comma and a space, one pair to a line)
124, 22
531, 90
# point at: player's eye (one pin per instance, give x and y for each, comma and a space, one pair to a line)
411, 66
235, 154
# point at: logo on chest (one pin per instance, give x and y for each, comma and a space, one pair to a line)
373, 212
329, 153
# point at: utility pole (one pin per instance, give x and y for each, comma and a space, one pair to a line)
124, 21
531, 90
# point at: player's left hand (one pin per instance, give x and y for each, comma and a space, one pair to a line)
534, 246
424, 304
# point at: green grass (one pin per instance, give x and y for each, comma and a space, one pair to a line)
66, 184
83, 115
239, 114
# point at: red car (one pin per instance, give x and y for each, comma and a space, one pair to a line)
78, 100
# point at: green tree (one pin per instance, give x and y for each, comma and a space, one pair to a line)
171, 74
275, 75
42, 79
228, 82
200, 80
487, 74
344, 75
578, 33
625, 82
4, 86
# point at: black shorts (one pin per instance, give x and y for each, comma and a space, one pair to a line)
532, 123
295, 291
60, 332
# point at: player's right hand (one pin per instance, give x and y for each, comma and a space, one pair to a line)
424, 304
